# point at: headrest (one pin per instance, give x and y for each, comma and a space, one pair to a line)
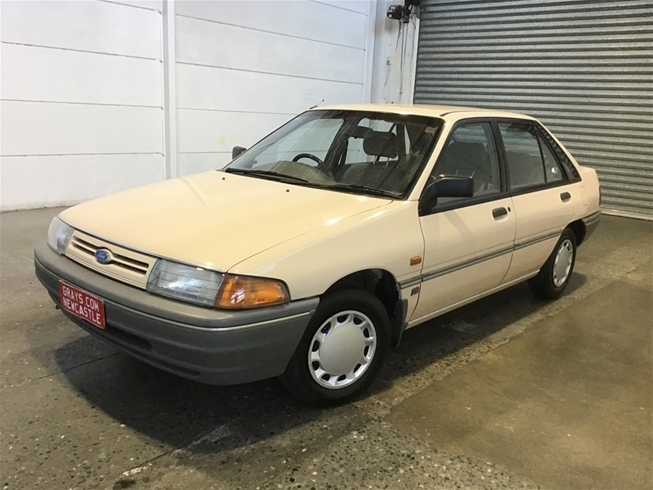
381, 144
460, 152
359, 132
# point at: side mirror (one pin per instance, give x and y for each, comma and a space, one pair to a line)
237, 150
446, 186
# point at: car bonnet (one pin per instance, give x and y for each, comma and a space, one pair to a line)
214, 219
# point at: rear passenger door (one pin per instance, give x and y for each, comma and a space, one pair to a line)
543, 197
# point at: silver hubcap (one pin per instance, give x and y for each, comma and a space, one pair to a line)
342, 349
562, 263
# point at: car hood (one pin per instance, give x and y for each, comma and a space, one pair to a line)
214, 219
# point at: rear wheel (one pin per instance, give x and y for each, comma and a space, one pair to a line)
554, 275
342, 350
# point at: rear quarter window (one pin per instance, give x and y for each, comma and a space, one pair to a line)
562, 157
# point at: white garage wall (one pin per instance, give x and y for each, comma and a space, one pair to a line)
82, 102
244, 68
395, 56
84, 106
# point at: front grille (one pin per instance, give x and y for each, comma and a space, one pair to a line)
120, 260
124, 265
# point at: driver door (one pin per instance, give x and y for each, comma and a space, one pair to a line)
467, 241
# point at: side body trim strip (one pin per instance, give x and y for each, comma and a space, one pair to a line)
467, 263
476, 260
535, 240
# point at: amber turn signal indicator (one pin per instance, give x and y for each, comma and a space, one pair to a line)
239, 292
416, 260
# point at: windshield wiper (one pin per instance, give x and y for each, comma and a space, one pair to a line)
291, 178
265, 174
361, 188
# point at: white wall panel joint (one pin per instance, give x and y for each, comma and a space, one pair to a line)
169, 90
369, 52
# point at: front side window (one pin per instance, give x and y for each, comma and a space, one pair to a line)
471, 152
350, 151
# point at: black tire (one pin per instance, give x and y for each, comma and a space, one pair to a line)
544, 285
297, 378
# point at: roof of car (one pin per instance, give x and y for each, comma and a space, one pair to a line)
448, 112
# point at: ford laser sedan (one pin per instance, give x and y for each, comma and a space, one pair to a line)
308, 256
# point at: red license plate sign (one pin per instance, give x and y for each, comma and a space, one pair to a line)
82, 304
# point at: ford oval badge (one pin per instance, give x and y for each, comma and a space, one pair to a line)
103, 256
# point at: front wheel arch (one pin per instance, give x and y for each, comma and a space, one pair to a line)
298, 378
383, 285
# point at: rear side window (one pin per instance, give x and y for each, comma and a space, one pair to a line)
523, 155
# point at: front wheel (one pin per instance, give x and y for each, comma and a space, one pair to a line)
554, 275
342, 349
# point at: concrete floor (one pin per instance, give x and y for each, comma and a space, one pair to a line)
511, 392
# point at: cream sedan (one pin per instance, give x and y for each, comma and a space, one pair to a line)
308, 256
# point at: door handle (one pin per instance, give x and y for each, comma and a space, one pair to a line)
498, 212
565, 196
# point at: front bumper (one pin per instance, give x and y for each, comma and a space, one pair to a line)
210, 346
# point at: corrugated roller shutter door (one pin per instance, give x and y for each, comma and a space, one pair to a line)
584, 68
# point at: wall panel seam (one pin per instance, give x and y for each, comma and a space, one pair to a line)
129, 5
203, 152
70, 102
256, 29
247, 70
80, 154
205, 109
121, 55
338, 7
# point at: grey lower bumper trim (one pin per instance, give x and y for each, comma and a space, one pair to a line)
591, 223
233, 328
206, 345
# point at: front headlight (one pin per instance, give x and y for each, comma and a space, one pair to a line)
59, 235
210, 288
185, 283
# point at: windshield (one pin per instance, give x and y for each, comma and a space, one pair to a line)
351, 151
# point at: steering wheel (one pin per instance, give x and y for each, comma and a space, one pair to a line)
320, 164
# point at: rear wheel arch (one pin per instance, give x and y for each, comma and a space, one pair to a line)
579, 229
552, 279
